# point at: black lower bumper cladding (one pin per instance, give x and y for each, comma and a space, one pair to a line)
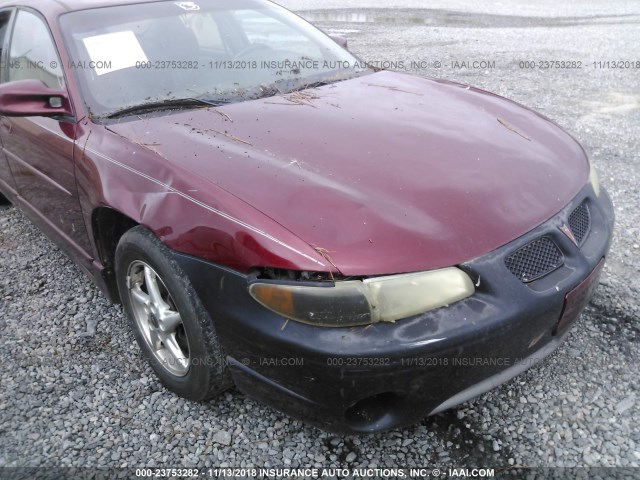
387, 375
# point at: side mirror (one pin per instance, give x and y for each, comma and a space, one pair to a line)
32, 98
340, 40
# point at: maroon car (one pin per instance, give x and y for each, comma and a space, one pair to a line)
357, 248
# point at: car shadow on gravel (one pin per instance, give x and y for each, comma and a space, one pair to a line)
466, 446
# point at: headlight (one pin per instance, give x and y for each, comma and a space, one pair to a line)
354, 302
593, 179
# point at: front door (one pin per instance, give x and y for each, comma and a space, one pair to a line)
39, 150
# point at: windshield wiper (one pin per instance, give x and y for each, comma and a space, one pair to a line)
171, 104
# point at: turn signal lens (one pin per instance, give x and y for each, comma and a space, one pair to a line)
341, 305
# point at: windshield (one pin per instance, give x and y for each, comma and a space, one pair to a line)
214, 50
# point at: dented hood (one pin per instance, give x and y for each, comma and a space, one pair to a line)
386, 172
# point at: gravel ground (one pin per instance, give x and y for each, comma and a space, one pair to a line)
76, 392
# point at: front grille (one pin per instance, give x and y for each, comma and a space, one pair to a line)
535, 260
580, 222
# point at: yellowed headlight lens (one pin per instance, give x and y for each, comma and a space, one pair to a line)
402, 296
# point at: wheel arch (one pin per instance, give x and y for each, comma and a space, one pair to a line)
108, 225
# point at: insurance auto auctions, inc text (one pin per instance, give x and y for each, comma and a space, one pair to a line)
389, 473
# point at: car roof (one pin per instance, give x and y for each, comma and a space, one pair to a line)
58, 7
53, 8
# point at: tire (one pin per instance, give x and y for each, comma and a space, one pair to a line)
4, 200
175, 333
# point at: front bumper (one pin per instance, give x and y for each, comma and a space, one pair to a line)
367, 379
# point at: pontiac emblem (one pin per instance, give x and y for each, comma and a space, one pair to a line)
567, 231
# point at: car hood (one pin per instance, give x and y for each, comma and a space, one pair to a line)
384, 173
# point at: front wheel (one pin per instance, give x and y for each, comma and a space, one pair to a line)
174, 331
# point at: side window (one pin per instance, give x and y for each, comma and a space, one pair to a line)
33, 54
